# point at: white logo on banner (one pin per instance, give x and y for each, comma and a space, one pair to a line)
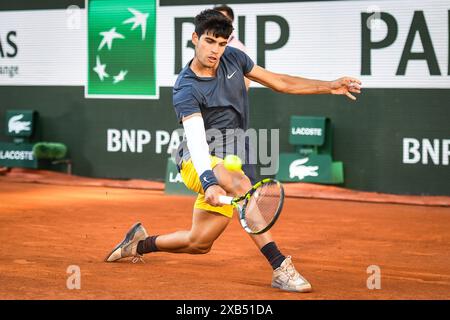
299, 170
16, 126
426, 151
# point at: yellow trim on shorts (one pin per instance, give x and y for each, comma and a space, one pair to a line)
191, 180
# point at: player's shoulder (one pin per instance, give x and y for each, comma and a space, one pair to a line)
186, 81
236, 55
233, 52
186, 86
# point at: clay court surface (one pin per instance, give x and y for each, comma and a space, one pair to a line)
45, 228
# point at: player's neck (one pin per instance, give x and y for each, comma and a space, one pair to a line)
201, 71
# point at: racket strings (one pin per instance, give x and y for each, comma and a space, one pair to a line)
263, 205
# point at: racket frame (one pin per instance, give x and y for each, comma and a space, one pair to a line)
246, 198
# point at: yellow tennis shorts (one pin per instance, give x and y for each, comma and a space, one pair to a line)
191, 180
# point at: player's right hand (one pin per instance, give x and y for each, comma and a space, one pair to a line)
346, 86
212, 195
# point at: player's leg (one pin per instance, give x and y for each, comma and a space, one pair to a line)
208, 222
207, 226
285, 276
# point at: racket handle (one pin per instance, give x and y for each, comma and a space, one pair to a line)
225, 199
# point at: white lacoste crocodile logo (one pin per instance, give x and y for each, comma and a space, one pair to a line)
229, 76
17, 126
297, 169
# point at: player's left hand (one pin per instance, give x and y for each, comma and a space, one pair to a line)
347, 86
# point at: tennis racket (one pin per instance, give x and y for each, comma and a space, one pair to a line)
260, 207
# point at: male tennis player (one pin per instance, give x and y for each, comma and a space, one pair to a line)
210, 94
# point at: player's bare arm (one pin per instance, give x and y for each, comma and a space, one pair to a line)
296, 85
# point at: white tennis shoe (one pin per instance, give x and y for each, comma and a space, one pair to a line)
285, 277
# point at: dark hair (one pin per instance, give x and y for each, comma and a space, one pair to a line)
213, 21
227, 9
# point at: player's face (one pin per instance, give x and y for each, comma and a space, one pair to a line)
209, 49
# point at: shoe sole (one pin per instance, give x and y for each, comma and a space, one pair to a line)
128, 238
304, 290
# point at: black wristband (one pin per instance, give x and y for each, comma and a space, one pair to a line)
208, 179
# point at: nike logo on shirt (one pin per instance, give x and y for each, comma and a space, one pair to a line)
229, 76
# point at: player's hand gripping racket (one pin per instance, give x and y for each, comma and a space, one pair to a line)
260, 207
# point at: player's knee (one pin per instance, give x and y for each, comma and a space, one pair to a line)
199, 245
201, 248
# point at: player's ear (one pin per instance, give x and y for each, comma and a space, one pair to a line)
195, 38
